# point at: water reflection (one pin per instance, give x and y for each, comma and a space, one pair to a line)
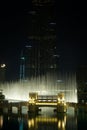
52, 123
44, 122
21, 124
1, 121
33, 123
62, 123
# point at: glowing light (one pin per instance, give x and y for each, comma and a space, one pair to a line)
32, 101
59, 124
28, 46
55, 55
3, 65
63, 124
31, 123
45, 119
61, 97
59, 81
53, 23
1, 121
22, 58
42, 85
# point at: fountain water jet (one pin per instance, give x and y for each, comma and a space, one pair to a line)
47, 85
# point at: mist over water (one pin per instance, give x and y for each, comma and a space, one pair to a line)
49, 84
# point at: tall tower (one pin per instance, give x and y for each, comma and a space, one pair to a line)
22, 66
81, 77
42, 36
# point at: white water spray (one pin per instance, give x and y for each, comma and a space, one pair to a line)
46, 85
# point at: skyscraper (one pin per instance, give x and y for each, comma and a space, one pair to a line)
40, 54
82, 84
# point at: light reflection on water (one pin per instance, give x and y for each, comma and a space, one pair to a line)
47, 120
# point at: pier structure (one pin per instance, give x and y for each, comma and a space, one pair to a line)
37, 101
57, 101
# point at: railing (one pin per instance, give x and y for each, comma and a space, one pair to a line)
47, 98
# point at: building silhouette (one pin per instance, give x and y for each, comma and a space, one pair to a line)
40, 55
81, 77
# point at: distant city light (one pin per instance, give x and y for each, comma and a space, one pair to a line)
56, 55
3, 65
22, 58
32, 12
60, 81
28, 46
53, 23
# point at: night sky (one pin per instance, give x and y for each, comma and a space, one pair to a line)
70, 31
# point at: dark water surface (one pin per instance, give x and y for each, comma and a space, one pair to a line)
47, 120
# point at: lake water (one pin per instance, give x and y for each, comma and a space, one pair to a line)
46, 120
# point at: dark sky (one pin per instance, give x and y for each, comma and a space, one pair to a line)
12, 33
70, 29
71, 34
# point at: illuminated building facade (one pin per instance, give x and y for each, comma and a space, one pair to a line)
82, 84
40, 57
40, 54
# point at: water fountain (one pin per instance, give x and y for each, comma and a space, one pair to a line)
47, 85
